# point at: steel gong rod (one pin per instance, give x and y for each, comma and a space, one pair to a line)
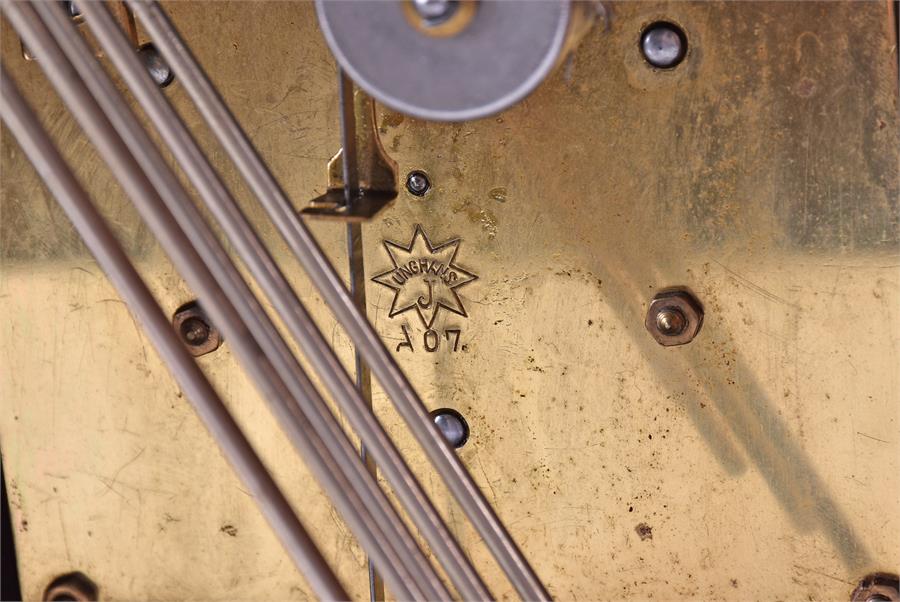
357, 282
58, 178
393, 532
304, 436
299, 323
321, 272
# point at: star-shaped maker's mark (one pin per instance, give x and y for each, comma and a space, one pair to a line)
424, 277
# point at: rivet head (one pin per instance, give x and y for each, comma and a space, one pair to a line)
452, 425
417, 183
674, 317
663, 45
195, 330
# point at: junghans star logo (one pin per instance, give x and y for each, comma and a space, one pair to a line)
424, 277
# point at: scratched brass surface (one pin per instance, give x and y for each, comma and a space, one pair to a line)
760, 462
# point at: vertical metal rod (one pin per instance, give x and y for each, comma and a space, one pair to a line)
363, 375
357, 274
348, 138
247, 329
273, 282
58, 178
328, 282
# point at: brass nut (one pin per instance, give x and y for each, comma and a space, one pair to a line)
674, 317
195, 330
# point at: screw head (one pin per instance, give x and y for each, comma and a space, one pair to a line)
877, 587
72, 586
452, 425
670, 321
72, 9
417, 183
674, 317
663, 45
195, 330
156, 66
435, 12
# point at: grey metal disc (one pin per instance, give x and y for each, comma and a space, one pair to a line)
498, 59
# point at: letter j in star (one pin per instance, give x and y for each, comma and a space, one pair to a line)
424, 277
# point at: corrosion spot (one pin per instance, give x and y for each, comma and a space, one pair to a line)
644, 531
229, 530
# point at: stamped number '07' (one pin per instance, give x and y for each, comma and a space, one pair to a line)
432, 339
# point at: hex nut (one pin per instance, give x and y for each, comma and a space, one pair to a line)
195, 330
674, 317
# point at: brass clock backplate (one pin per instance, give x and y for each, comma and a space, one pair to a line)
758, 462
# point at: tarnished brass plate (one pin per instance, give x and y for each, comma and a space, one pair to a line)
758, 462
